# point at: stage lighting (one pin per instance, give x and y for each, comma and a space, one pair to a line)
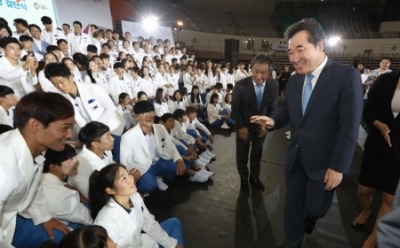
334, 40
150, 23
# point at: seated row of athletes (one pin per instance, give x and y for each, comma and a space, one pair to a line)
88, 187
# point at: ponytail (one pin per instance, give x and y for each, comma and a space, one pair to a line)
98, 182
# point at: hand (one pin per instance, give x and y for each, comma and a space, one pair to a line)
78, 144
54, 224
29, 62
180, 167
135, 173
332, 179
192, 151
243, 133
384, 130
211, 138
262, 131
264, 121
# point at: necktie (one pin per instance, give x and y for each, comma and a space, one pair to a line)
307, 92
259, 95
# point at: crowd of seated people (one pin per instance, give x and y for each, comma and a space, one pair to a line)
141, 117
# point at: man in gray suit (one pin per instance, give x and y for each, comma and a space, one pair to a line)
255, 95
323, 104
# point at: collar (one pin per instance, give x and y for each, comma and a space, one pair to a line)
318, 70
255, 84
152, 131
128, 210
77, 95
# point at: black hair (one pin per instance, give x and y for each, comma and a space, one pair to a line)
80, 58
44, 107
213, 96
229, 86
190, 109
95, 26
91, 48
92, 131
219, 86
34, 26
24, 38
167, 116
46, 20
8, 40
311, 26
51, 53
78, 23
178, 113
194, 97
5, 90
66, 24
85, 237
157, 120
143, 107
177, 91
122, 96
61, 41
21, 21
140, 94
98, 182
57, 70
57, 157
228, 94
89, 72
159, 95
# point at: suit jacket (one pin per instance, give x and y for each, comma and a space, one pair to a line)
326, 135
244, 102
378, 107
42, 51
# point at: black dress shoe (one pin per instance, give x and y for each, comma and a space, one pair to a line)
244, 186
257, 183
356, 225
309, 225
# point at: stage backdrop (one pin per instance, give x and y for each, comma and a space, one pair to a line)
138, 29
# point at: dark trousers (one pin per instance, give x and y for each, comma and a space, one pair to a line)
304, 197
242, 156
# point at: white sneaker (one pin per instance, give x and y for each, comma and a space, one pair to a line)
210, 154
200, 163
225, 126
205, 158
161, 185
198, 178
206, 172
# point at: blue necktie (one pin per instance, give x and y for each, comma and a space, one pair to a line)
307, 92
259, 95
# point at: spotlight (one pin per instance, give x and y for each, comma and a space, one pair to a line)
150, 23
334, 40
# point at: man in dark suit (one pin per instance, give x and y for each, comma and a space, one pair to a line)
255, 95
324, 106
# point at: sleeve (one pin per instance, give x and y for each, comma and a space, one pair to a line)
236, 105
107, 104
70, 209
38, 209
201, 126
11, 75
155, 231
211, 112
169, 145
350, 111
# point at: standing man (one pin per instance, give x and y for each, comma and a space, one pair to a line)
78, 41
50, 34
255, 95
40, 125
324, 106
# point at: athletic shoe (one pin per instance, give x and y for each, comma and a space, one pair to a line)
161, 185
206, 172
198, 178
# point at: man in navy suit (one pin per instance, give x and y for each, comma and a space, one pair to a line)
255, 95
324, 106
